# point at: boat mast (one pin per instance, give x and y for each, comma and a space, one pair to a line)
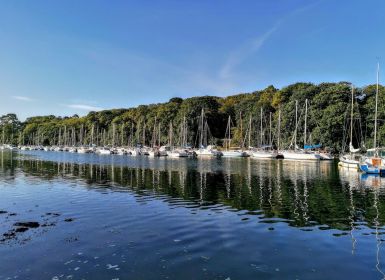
375, 112
132, 135
305, 128
154, 135
279, 128
184, 131
249, 133
201, 129
59, 142
3, 141
228, 133
296, 125
270, 139
144, 134
93, 134
122, 135
240, 120
351, 121
113, 134
206, 128
261, 132
170, 136
65, 136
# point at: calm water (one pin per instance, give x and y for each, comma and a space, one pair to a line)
118, 217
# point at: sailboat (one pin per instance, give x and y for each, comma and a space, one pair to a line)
157, 150
231, 152
264, 151
204, 148
171, 150
296, 153
351, 159
372, 162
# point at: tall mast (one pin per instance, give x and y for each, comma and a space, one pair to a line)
305, 127
351, 120
113, 134
122, 135
201, 129
144, 134
279, 128
241, 127
59, 141
92, 134
154, 135
206, 128
261, 132
296, 124
65, 136
249, 144
270, 138
81, 135
170, 136
228, 133
375, 112
184, 131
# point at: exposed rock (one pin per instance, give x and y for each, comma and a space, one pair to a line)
27, 224
21, 229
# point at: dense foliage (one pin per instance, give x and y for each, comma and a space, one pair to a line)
328, 118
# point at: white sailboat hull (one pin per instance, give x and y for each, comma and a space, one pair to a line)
105, 152
134, 153
263, 155
178, 154
347, 162
293, 155
326, 156
233, 154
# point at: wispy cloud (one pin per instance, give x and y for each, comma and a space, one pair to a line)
84, 107
251, 47
22, 98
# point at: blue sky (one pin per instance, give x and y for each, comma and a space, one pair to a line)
67, 57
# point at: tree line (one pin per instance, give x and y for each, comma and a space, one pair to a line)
257, 118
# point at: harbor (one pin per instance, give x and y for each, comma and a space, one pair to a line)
192, 140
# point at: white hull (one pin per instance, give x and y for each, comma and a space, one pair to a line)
348, 162
350, 165
134, 153
84, 151
292, 155
326, 156
177, 154
233, 154
157, 153
203, 152
104, 152
260, 154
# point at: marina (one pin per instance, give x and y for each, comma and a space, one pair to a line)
192, 140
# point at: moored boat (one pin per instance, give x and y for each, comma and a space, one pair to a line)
300, 155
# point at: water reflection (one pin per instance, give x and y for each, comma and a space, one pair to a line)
304, 197
301, 194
